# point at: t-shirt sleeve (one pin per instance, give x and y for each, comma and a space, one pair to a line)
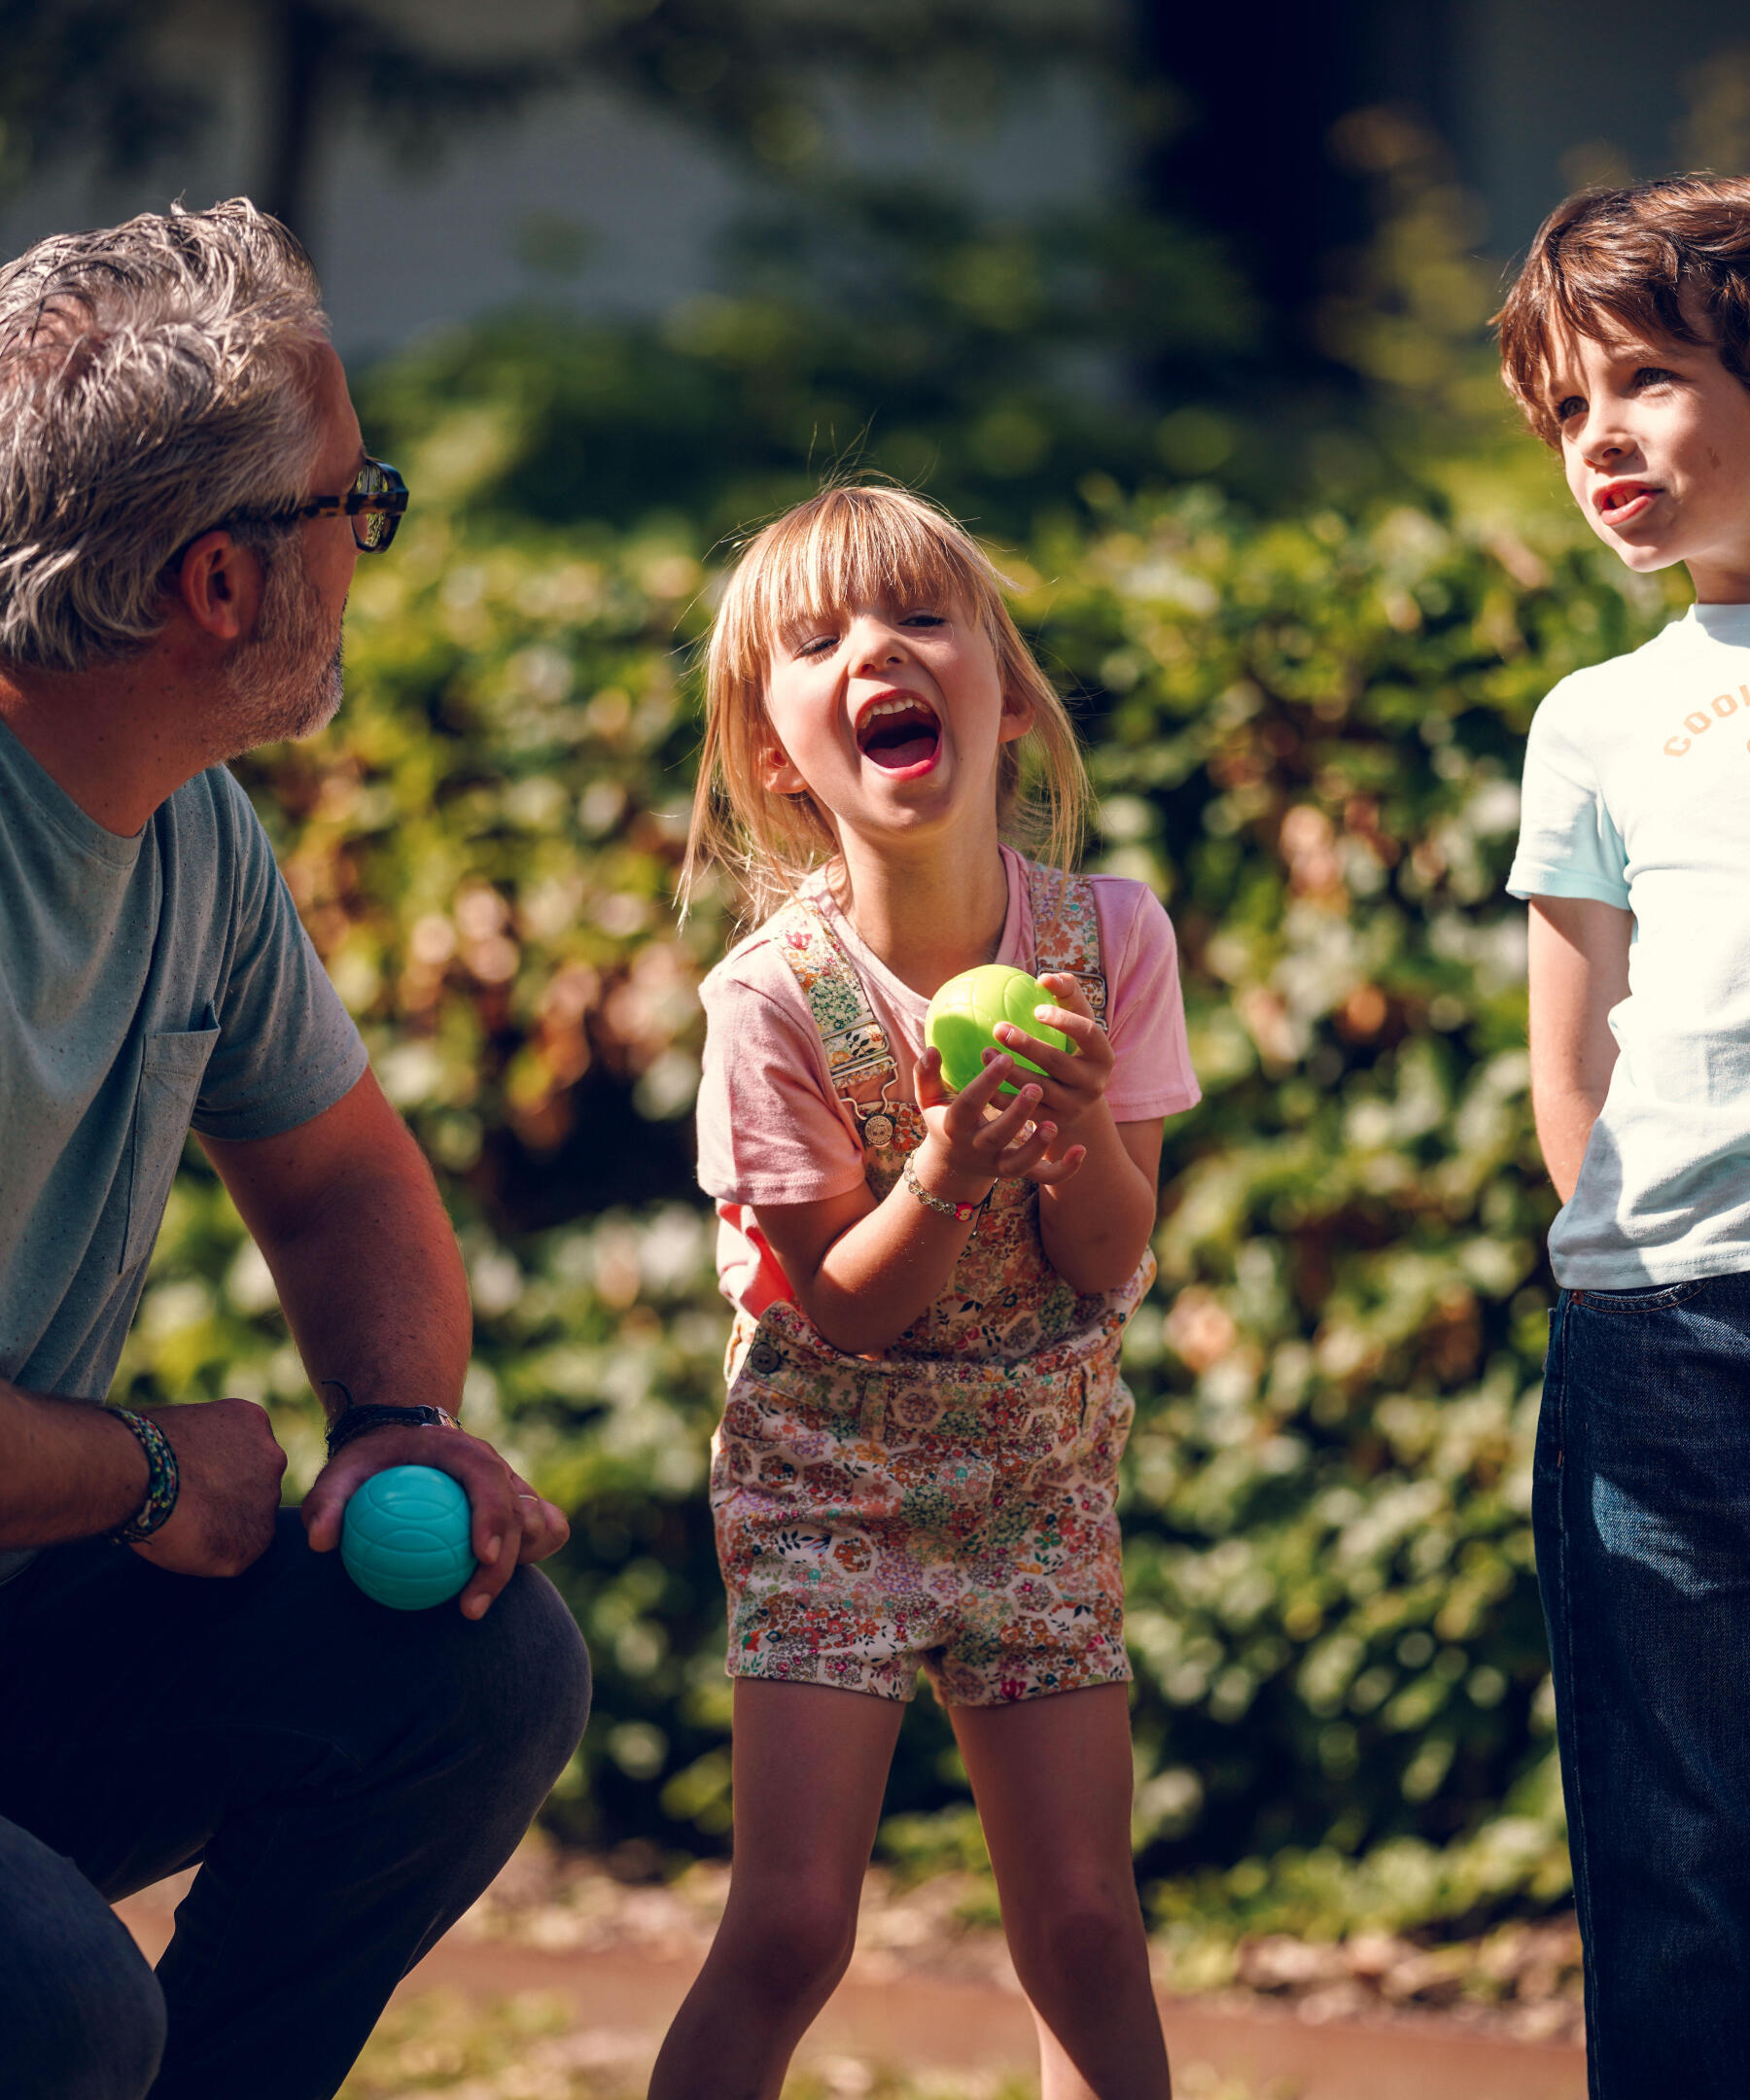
770, 1129
1152, 1075
1568, 846
287, 1047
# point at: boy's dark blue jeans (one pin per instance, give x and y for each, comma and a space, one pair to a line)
349, 1776
1642, 1515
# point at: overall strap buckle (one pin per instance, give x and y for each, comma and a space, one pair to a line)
857, 1046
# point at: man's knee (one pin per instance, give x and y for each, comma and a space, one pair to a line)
506, 1695
82, 2017
529, 1692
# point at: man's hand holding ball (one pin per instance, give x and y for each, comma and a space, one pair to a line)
509, 1524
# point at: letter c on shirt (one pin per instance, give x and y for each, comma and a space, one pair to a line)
1676, 746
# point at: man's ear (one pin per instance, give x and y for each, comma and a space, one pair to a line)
217, 587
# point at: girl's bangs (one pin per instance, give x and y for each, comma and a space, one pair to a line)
854, 546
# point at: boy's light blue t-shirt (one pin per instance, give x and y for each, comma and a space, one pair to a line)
146, 984
1637, 794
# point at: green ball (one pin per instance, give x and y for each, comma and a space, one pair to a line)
963, 1017
405, 1539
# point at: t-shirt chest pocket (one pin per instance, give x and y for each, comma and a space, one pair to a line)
170, 1074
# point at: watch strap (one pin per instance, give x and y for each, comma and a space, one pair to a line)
357, 1421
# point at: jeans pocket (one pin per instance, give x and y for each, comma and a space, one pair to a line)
1644, 1298
1551, 1424
170, 1075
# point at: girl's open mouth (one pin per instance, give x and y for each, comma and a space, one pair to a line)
898, 732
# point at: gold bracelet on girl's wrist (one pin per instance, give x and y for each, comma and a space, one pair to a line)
964, 1214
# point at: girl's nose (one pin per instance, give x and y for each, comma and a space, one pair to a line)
874, 645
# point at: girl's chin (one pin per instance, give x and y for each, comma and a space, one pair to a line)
909, 817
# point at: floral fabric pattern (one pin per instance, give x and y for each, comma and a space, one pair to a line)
949, 1505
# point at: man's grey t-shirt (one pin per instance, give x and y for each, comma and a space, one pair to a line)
146, 984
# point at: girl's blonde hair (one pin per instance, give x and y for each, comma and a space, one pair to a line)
853, 545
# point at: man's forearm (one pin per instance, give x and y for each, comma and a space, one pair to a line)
377, 1297
346, 1213
68, 1470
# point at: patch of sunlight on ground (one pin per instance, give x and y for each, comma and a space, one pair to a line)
442, 2045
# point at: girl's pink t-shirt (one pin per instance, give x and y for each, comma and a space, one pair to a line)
773, 1131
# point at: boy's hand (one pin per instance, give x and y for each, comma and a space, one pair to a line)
1075, 1081
973, 1141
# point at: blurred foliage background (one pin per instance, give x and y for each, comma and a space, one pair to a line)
1304, 730
1304, 584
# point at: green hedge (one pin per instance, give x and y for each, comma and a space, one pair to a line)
1305, 732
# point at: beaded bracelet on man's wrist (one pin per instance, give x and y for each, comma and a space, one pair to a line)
162, 1480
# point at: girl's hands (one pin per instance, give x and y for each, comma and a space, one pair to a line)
975, 1137
1075, 1081
968, 1147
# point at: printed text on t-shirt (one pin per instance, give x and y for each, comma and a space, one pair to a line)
1702, 720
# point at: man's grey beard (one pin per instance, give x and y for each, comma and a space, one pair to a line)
287, 681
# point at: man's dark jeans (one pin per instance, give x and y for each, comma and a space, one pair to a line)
1642, 1514
350, 1778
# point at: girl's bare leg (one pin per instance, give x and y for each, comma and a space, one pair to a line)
1053, 1781
810, 1763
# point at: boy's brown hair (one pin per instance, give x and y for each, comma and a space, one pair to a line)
1667, 258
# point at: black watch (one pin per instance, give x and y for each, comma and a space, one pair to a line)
357, 1421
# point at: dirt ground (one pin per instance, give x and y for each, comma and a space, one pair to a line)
558, 1986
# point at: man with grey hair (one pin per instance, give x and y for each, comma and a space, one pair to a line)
188, 1676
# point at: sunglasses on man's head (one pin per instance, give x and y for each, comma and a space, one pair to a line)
377, 504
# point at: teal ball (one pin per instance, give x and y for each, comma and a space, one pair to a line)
404, 1540
963, 1017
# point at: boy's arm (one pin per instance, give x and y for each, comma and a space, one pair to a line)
1579, 971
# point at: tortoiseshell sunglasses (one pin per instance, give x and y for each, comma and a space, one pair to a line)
377, 503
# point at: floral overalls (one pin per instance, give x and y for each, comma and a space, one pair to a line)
949, 1504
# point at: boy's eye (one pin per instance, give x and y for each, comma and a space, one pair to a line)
1651, 375
813, 645
1573, 406
922, 619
